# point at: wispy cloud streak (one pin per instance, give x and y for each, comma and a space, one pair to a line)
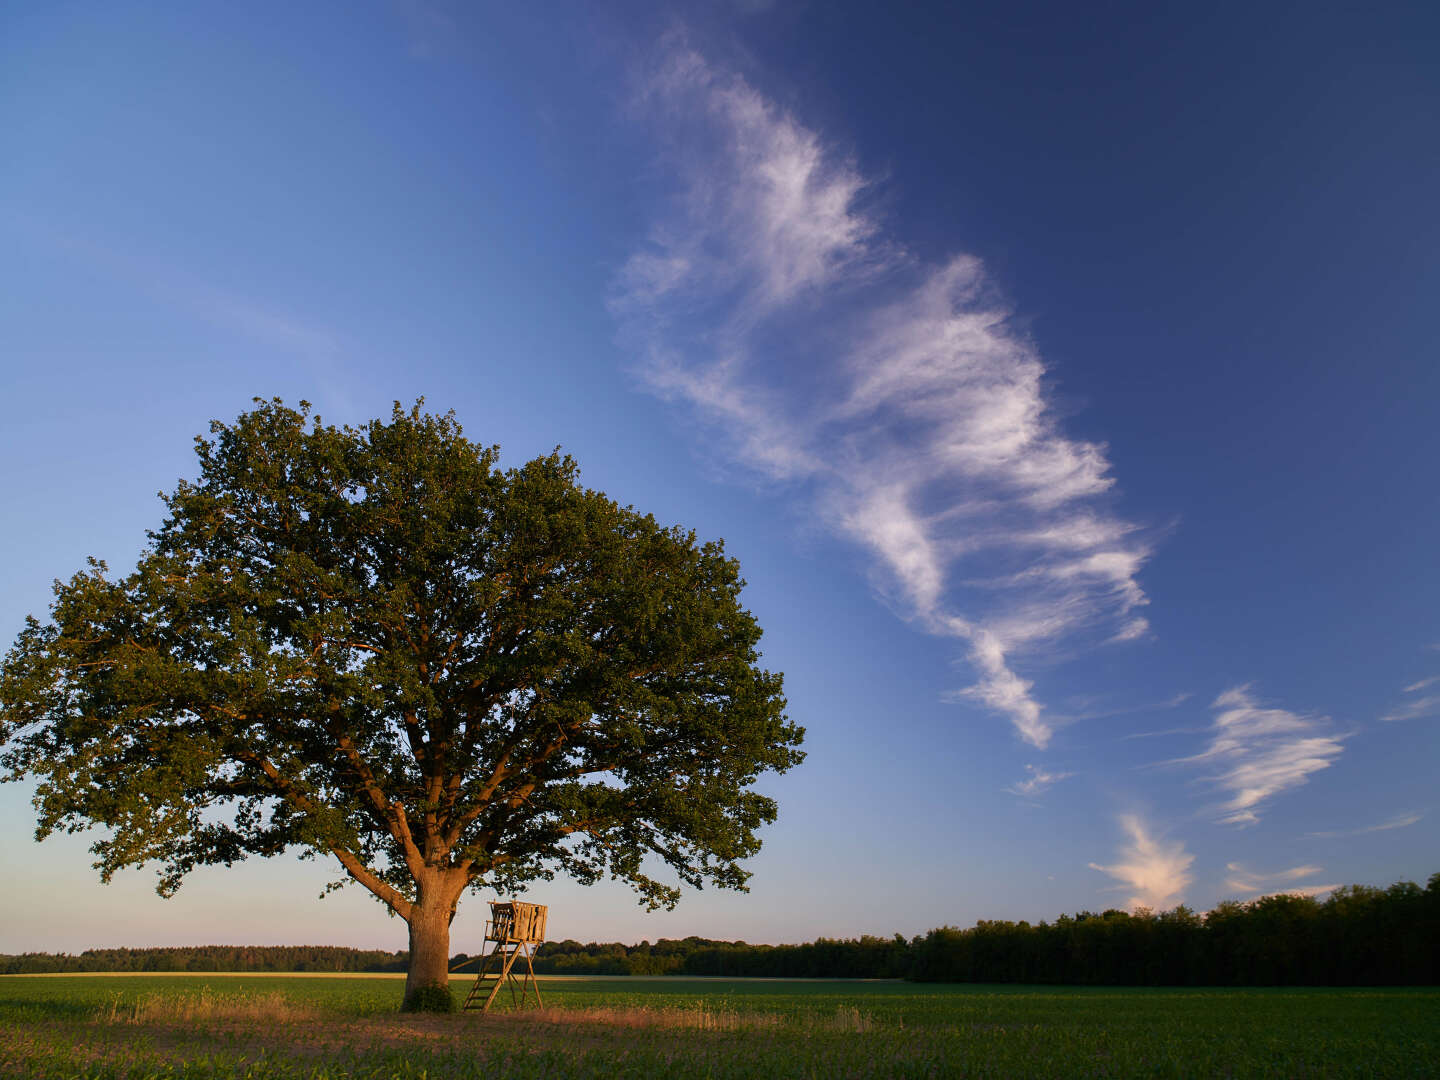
770, 301
1401, 821
1162, 733
1157, 871
1037, 782
1260, 753
1243, 880
1415, 708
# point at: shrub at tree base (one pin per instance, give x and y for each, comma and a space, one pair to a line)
429, 999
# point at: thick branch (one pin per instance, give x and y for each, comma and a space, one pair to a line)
391, 815
348, 859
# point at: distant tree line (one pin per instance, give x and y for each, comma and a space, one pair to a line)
856, 958
332, 958
1358, 936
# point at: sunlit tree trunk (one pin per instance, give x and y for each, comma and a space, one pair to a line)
427, 984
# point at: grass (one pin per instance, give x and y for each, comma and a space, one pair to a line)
273, 1027
205, 1006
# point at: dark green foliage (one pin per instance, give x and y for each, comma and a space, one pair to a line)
863, 958
376, 645
200, 958
1358, 936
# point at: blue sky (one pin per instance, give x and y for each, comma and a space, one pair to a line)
1064, 379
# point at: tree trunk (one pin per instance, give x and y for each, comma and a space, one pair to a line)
427, 984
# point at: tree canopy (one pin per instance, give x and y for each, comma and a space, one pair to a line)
375, 644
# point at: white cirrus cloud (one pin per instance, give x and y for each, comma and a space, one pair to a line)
1414, 710
1400, 821
1422, 684
1243, 880
897, 393
1260, 752
1037, 782
1155, 871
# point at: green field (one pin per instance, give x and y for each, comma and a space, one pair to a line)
263, 1027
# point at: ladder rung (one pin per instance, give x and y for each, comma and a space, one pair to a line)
506, 953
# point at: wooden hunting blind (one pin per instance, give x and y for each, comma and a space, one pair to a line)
515, 930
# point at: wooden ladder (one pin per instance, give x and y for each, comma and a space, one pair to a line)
497, 970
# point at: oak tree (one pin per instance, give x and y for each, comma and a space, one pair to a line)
376, 645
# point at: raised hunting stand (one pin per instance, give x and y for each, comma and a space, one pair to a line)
516, 929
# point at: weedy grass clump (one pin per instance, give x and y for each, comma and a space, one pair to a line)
699, 1015
206, 1005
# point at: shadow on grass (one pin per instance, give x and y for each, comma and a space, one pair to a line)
31, 1008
